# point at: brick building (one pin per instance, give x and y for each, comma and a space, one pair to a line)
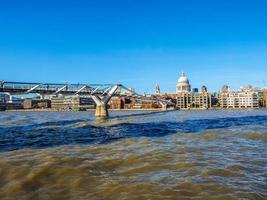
119, 102
265, 98
130, 103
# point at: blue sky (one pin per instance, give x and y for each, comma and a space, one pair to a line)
135, 42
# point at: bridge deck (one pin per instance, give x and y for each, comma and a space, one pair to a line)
52, 88
16, 88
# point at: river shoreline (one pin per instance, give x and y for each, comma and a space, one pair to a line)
126, 110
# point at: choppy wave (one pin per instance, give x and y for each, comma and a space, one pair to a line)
64, 132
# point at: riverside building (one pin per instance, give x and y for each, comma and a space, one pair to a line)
265, 98
72, 103
245, 98
131, 103
36, 103
185, 99
9, 102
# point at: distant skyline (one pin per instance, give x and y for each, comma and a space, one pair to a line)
136, 43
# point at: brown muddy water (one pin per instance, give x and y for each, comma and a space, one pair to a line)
171, 155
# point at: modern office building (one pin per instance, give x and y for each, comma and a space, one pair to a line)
195, 90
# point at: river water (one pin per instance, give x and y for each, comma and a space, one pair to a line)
133, 155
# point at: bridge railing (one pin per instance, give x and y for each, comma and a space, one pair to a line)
71, 88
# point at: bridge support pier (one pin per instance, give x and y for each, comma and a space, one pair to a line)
164, 107
102, 102
101, 111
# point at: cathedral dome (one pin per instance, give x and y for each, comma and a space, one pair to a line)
183, 79
183, 84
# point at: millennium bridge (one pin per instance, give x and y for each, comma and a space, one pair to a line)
100, 93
